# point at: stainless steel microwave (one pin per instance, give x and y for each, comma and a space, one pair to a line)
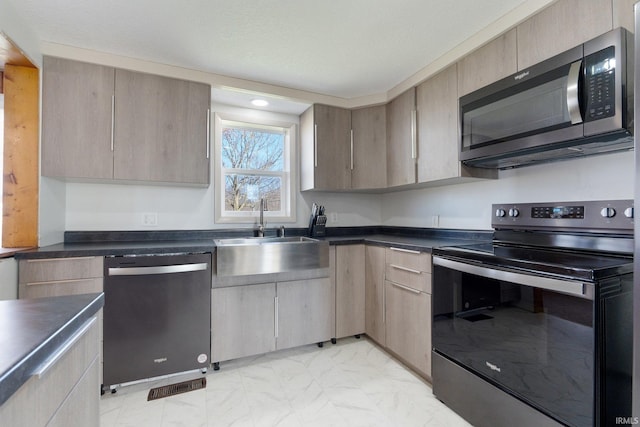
575, 104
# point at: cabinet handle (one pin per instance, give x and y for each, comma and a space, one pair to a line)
55, 282
63, 349
113, 118
208, 144
408, 251
410, 270
275, 315
406, 288
315, 145
351, 149
414, 136
60, 259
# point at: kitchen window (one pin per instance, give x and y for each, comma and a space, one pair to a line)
254, 161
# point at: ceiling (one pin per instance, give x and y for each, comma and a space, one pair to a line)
339, 48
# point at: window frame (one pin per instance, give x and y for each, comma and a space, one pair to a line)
287, 213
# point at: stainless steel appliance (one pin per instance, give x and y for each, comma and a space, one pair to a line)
535, 328
574, 104
157, 315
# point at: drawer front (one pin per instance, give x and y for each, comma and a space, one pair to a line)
81, 408
58, 288
420, 261
38, 399
414, 279
51, 269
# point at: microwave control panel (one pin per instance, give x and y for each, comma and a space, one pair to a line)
600, 75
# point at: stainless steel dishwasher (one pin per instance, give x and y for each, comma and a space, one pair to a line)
157, 315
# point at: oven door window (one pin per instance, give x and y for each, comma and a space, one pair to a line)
533, 343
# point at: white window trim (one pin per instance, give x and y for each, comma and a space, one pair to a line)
289, 188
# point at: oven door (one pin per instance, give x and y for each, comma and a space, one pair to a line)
531, 336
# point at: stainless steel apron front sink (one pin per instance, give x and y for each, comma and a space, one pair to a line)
268, 255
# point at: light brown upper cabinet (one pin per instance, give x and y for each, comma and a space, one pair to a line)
369, 155
402, 149
325, 151
488, 64
438, 131
161, 129
106, 123
77, 119
562, 26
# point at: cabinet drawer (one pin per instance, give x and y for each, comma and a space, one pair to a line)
58, 288
417, 280
414, 260
52, 269
77, 410
39, 398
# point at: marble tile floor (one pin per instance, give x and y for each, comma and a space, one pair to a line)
352, 383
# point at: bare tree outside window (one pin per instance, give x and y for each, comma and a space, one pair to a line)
253, 162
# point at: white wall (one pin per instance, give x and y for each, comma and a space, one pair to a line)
468, 206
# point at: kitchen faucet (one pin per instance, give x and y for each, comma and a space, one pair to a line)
263, 205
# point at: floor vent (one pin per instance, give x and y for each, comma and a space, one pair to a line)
173, 389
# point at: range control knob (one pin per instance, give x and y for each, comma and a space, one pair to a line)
608, 212
500, 213
628, 212
513, 212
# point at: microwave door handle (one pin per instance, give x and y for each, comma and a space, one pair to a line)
573, 101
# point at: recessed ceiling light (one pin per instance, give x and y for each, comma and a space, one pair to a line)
260, 102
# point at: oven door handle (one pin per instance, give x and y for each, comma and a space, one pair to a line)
580, 289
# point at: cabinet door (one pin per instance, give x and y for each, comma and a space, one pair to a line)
438, 139
304, 312
408, 325
488, 64
369, 127
76, 119
401, 140
161, 129
350, 290
242, 321
374, 264
562, 26
325, 134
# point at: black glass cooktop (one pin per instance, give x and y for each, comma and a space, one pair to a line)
547, 261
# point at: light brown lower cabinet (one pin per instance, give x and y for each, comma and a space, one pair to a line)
52, 277
350, 290
254, 319
374, 293
408, 325
66, 393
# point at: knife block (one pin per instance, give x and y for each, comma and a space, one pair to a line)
319, 226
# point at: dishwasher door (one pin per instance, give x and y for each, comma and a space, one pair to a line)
157, 316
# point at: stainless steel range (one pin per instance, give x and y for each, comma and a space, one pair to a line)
535, 328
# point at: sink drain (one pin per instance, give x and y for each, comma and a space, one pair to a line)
173, 389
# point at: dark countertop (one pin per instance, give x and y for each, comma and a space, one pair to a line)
201, 241
424, 244
67, 250
32, 329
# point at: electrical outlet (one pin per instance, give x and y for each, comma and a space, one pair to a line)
333, 217
150, 219
435, 221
